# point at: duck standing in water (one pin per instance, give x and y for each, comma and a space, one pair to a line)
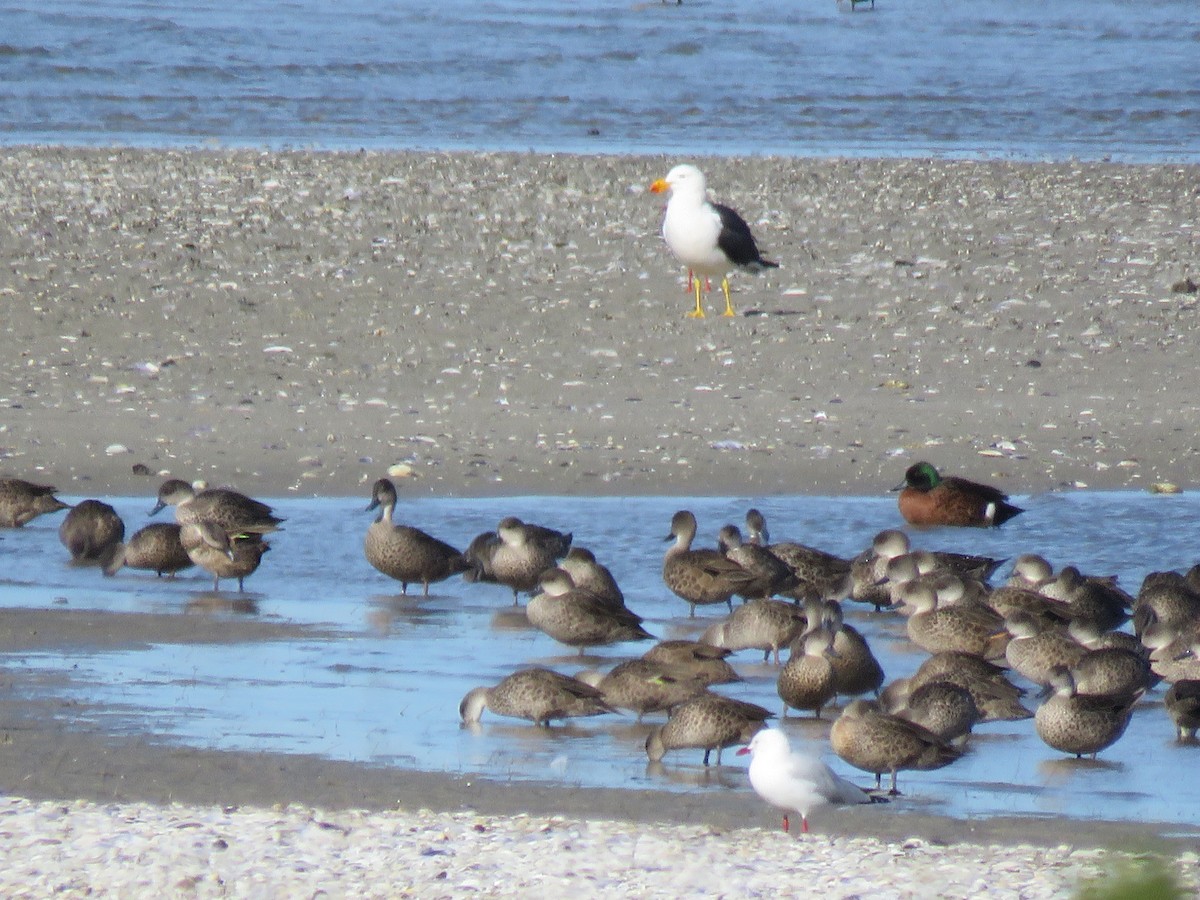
405, 553
516, 554
231, 510
537, 694
156, 547
928, 498
91, 532
701, 576
221, 554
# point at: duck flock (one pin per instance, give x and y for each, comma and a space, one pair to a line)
1073, 651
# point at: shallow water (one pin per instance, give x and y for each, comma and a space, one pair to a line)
1088, 78
386, 689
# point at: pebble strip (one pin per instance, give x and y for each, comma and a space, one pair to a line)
80, 848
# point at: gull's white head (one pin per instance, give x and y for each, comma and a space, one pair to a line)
767, 742
683, 179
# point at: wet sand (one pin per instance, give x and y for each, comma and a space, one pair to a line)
512, 324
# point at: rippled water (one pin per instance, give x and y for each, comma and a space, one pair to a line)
386, 689
1022, 77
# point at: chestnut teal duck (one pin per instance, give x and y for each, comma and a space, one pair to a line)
928, 498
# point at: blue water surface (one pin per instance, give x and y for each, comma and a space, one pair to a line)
384, 689
1022, 78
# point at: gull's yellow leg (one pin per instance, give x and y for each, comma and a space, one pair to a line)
728, 302
698, 312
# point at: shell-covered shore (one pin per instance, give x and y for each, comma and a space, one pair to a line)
503, 323
83, 849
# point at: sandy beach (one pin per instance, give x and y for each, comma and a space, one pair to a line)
506, 324
514, 324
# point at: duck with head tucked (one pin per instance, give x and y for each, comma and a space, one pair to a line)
577, 617
23, 501
516, 554
1081, 723
928, 498
873, 740
644, 686
405, 553
91, 532
706, 662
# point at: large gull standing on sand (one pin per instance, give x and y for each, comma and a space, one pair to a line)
709, 238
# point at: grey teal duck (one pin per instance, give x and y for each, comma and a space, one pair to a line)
91, 531
1034, 651
155, 547
233, 511
1092, 599
537, 694
23, 501
579, 618
964, 628
806, 681
1182, 701
771, 574
765, 625
580, 563
996, 698
875, 741
892, 542
818, 574
221, 554
1113, 670
855, 668
700, 576
516, 554
644, 686
945, 708
705, 661
1081, 723
707, 722
405, 553
1167, 598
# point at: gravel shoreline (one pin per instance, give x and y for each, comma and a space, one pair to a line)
513, 324
79, 848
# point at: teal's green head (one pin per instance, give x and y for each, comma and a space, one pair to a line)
922, 476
